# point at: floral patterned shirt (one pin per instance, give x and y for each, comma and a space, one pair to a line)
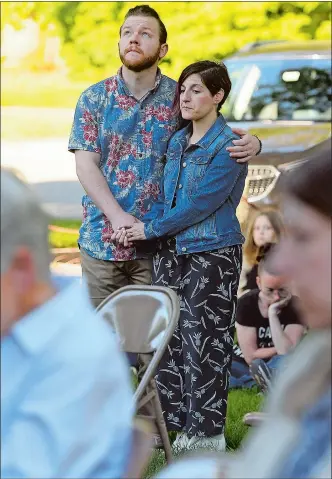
131, 136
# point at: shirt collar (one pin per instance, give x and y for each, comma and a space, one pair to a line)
35, 330
123, 85
209, 137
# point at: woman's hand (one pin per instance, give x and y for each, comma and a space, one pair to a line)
136, 232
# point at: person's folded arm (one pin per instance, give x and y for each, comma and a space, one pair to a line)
265, 353
75, 418
212, 191
247, 339
285, 339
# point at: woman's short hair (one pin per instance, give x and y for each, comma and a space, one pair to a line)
311, 182
250, 250
214, 76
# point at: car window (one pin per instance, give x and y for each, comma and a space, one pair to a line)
279, 89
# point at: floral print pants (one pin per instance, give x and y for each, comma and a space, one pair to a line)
193, 375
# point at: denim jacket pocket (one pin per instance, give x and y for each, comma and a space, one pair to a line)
199, 160
196, 169
205, 230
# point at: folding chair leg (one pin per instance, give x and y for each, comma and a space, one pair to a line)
161, 423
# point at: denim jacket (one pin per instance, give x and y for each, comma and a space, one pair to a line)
206, 185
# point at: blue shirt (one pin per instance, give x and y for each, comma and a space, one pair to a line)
131, 137
66, 399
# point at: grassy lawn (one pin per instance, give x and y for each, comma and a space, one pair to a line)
35, 123
48, 90
239, 403
64, 240
39, 105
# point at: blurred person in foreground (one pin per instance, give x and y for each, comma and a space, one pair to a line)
66, 400
294, 441
267, 325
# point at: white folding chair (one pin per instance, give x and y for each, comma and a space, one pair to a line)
144, 318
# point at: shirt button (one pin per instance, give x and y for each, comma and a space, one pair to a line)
184, 164
184, 249
140, 155
180, 186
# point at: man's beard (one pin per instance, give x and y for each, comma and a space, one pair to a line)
140, 65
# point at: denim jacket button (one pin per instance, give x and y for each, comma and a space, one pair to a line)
184, 249
180, 186
184, 164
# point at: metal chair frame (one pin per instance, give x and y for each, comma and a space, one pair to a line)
148, 354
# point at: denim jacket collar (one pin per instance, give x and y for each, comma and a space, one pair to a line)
209, 137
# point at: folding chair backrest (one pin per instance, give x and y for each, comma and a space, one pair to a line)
144, 318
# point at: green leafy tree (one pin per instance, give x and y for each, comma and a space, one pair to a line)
197, 30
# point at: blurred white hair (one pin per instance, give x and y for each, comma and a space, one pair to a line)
23, 223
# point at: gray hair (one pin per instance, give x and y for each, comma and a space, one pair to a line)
23, 223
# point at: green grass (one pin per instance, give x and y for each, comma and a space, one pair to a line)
64, 240
48, 90
31, 95
30, 124
239, 403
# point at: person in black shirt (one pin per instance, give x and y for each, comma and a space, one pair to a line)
267, 326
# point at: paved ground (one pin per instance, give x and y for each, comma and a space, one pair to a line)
50, 168
65, 269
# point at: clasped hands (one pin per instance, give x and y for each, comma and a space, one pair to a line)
127, 235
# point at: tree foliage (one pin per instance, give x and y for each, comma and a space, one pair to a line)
89, 31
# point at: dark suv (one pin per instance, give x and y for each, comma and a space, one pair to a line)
281, 92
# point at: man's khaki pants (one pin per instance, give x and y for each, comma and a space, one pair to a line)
105, 277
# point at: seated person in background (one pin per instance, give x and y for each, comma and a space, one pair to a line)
66, 399
265, 227
267, 327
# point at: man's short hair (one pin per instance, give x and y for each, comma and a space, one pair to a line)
147, 11
264, 253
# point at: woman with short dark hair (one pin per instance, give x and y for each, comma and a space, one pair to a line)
200, 257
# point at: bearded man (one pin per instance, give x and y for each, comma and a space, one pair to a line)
120, 133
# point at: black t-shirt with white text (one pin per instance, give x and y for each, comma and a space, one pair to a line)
248, 314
